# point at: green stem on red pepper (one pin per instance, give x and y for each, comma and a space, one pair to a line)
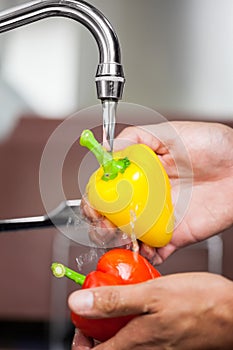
116, 267
60, 270
110, 166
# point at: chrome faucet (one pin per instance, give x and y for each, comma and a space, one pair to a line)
109, 76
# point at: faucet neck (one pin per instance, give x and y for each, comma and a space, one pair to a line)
109, 75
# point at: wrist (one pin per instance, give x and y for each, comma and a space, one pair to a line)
223, 314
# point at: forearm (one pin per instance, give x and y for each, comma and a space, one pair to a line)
222, 317
229, 138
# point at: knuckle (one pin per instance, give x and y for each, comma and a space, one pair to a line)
108, 302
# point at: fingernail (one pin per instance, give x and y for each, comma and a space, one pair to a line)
81, 301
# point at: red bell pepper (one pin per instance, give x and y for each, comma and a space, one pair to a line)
116, 267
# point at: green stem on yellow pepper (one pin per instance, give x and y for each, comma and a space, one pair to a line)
60, 270
88, 140
110, 166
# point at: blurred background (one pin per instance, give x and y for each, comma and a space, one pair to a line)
177, 56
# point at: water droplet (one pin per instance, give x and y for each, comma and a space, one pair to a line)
69, 221
133, 219
86, 258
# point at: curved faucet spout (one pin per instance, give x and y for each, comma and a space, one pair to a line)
109, 75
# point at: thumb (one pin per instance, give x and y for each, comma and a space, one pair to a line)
112, 301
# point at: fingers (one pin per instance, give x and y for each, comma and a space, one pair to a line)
88, 211
135, 134
112, 301
151, 254
80, 342
136, 335
156, 256
102, 232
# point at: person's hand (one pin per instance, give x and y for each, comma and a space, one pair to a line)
80, 342
186, 311
198, 158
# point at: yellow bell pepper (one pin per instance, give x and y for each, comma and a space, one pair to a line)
131, 185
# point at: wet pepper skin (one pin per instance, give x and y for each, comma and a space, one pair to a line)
116, 267
132, 183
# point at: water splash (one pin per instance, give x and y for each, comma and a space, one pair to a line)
87, 258
135, 245
92, 256
76, 221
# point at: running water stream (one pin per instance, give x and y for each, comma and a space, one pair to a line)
109, 121
135, 245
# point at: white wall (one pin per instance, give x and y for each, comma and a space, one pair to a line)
177, 54
39, 66
41, 62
